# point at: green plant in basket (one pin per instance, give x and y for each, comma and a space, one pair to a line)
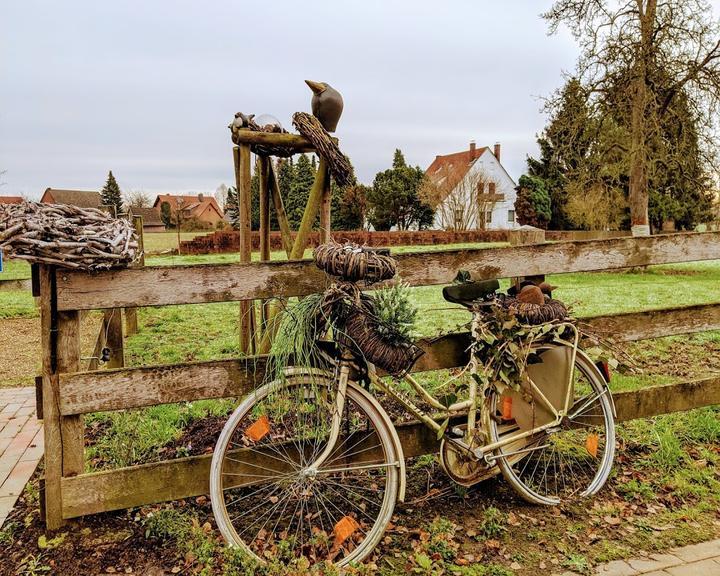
396, 312
503, 345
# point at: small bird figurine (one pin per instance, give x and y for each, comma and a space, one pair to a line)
531, 295
327, 104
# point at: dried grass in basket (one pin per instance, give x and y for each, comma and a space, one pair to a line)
353, 262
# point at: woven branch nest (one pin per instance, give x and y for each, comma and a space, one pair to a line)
532, 313
338, 163
66, 236
353, 262
396, 357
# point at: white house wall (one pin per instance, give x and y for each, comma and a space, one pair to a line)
492, 171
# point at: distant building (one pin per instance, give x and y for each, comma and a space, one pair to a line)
202, 209
152, 222
81, 198
11, 200
471, 190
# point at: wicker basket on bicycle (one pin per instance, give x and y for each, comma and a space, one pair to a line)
362, 330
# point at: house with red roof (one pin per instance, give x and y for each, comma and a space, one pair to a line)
201, 209
471, 190
11, 200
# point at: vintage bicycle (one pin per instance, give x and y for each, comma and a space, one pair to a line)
312, 465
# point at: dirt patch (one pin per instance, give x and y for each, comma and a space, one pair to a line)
20, 354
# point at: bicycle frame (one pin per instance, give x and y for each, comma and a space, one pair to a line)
468, 407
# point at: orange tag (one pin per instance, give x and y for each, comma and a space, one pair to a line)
344, 529
258, 429
507, 408
591, 445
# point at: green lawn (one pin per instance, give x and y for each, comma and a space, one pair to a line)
159, 241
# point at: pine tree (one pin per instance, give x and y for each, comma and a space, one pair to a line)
231, 206
111, 195
394, 198
296, 199
166, 214
533, 205
349, 206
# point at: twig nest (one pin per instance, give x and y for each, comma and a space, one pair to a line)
66, 236
396, 358
531, 312
313, 130
353, 262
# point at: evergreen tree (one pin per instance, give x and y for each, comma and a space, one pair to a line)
111, 195
231, 207
533, 205
297, 197
166, 214
394, 198
348, 207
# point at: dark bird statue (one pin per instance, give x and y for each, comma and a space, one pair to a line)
327, 104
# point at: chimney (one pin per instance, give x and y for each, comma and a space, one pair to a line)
473, 150
200, 197
496, 151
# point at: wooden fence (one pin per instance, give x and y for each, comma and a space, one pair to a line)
67, 393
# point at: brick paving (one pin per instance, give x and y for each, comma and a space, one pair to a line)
21, 444
696, 560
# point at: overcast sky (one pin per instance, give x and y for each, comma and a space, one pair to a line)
147, 88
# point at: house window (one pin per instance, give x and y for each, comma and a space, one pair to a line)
481, 187
488, 217
511, 215
459, 218
491, 187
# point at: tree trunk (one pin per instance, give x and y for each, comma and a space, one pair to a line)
639, 195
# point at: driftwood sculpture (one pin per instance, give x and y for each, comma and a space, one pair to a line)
66, 236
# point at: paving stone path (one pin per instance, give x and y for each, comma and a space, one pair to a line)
21, 444
695, 560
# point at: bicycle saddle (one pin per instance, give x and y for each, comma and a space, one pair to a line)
467, 292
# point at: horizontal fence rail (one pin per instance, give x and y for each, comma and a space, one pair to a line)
205, 283
86, 392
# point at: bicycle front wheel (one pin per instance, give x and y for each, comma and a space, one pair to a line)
270, 499
565, 462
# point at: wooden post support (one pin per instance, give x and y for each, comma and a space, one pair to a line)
264, 165
277, 201
112, 322
131, 322
311, 210
242, 159
60, 338
522, 237
326, 209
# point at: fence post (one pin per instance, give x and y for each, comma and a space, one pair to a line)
131, 322
60, 337
326, 210
524, 236
113, 325
242, 158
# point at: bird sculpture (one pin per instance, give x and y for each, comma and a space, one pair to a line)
327, 104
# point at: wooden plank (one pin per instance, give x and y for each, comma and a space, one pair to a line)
86, 392
131, 319
162, 285
299, 143
282, 219
242, 158
114, 338
50, 398
657, 323
187, 477
326, 208
135, 387
666, 399
182, 478
68, 360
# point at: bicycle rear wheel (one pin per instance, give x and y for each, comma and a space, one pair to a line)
573, 459
267, 496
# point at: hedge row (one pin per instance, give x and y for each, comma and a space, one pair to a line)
229, 241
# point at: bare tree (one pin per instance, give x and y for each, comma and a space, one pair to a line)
462, 198
221, 195
137, 199
675, 40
